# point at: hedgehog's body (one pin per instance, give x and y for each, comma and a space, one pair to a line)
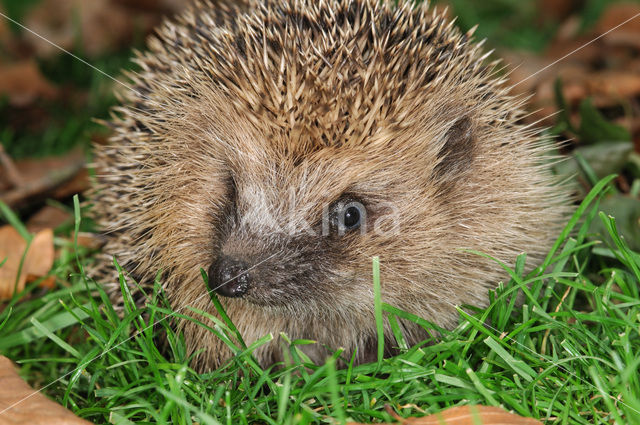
296, 140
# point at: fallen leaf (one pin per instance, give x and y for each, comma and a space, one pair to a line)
162, 6
41, 177
556, 10
23, 83
89, 240
613, 85
600, 64
10, 176
48, 217
37, 261
606, 88
20, 404
574, 51
629, 33
103, 26
468, 415
77, 184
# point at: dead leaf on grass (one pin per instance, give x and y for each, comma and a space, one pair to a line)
41, 178
48, 217
468, 415
25, 406
10, 176
37, 261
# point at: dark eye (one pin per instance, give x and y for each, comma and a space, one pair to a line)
352, 216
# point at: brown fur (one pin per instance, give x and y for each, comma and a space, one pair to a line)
246, 121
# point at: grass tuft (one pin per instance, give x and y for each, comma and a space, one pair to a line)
567, 355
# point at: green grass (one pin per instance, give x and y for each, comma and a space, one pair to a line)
54, 127
568, 355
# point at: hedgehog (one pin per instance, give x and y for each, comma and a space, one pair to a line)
279, 145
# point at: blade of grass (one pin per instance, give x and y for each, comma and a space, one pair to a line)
378, 307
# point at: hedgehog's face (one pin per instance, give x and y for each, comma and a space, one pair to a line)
300, 233
279, 261
297, 230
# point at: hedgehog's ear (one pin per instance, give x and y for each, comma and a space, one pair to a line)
457, 152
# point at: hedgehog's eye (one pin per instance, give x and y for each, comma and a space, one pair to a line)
350, 216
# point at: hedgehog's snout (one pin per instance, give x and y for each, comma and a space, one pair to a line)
229, 277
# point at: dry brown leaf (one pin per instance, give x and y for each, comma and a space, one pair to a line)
10, 176
556, 9
77, 184
613, 84
161, 6
468, 415
572, 51
40, 177
39, 259
12, 245
48, 217
37, 262
23, 83
606, 72
25, 406
629, 33
89, 240
103, 24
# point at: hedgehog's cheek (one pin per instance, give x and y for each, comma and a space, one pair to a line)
229, 277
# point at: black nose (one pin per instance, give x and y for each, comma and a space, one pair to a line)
229, 277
